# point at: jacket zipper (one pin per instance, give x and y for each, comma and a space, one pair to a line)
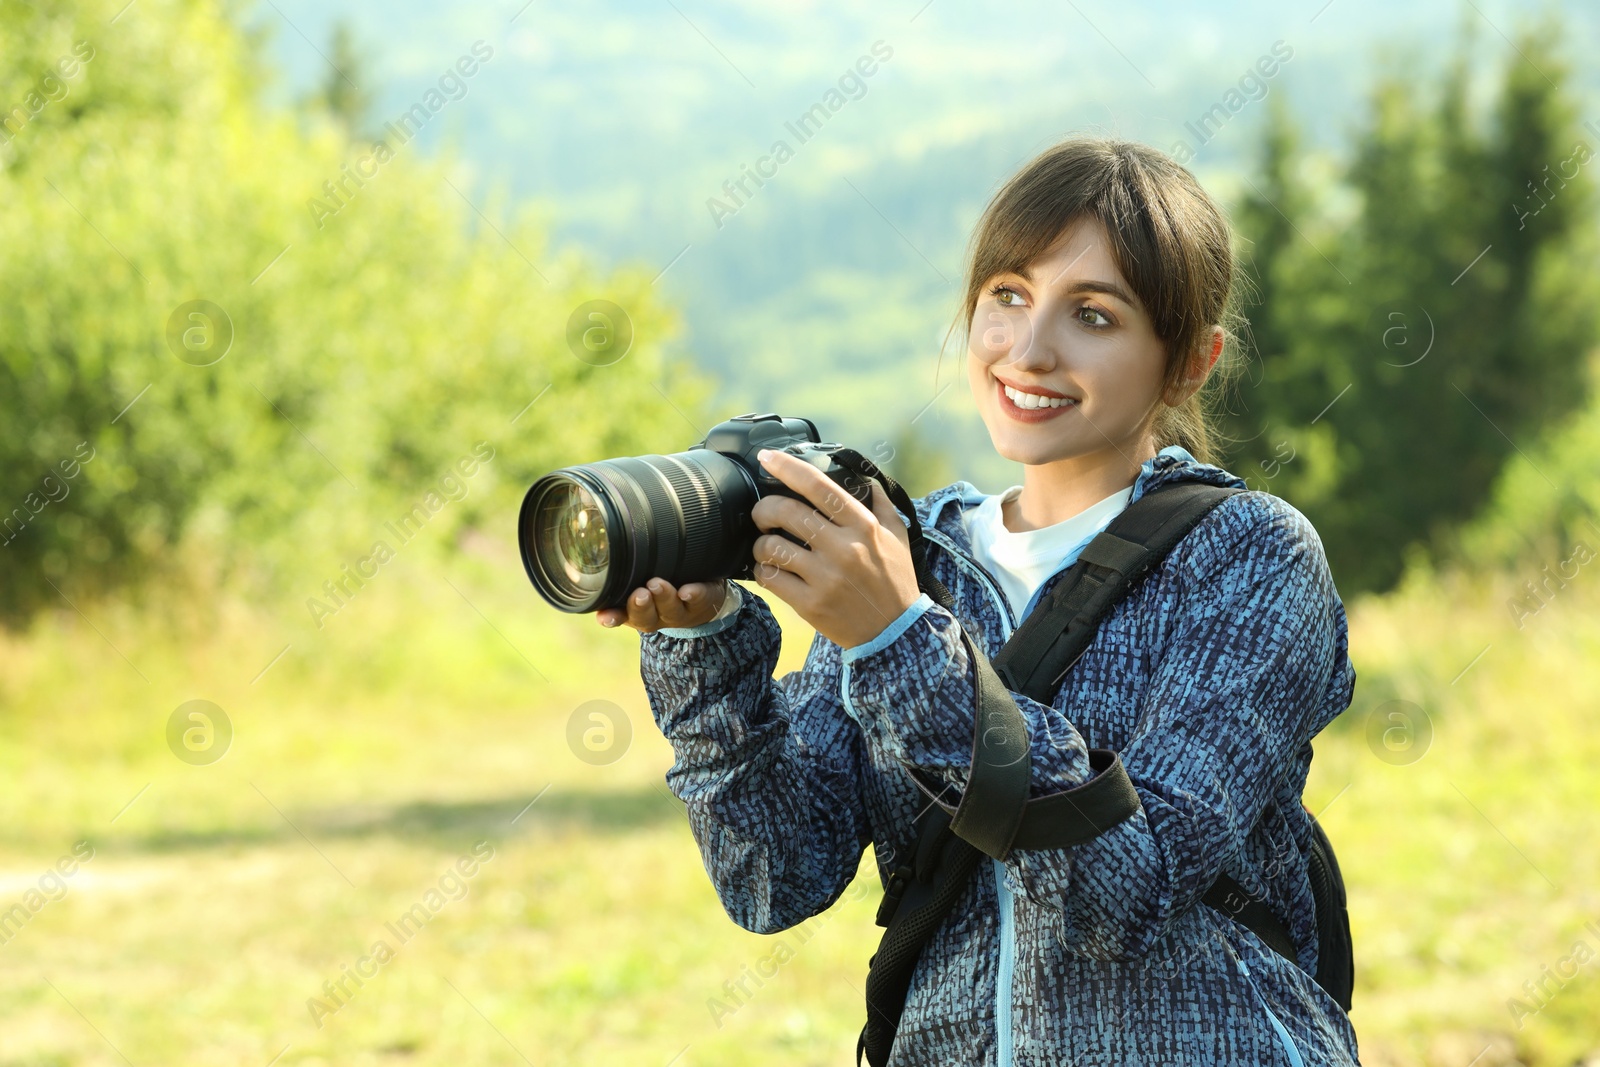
982, 575
1006, 967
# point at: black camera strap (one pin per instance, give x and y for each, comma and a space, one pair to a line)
863, 466
998, 781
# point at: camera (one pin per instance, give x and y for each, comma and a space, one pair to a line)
593, 533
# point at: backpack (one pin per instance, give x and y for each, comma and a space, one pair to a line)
995, 814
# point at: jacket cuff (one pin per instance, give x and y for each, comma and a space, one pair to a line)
899, 626
743, 652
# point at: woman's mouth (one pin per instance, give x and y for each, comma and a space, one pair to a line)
1030, 407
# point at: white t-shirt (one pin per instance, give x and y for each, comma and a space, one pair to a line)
1022, 561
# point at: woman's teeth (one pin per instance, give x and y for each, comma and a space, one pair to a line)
1034, 400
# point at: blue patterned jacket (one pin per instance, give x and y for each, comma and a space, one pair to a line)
1210, 678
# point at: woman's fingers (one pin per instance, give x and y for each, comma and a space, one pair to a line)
658, 604
776, 552
789, 588
821, 491
701, 600
642, 611
808, 525
664, 599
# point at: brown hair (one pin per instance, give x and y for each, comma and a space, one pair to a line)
1168, 237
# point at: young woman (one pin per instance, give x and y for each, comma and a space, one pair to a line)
1097, 305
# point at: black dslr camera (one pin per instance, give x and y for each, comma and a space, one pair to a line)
593, 533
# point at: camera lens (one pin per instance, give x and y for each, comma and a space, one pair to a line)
591, 534
569, 531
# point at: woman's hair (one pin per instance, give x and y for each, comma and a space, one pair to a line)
1168, 237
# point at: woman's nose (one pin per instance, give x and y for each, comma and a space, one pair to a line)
1034, 350
1005, 336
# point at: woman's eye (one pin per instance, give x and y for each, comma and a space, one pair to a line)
1000, 293
1094, 313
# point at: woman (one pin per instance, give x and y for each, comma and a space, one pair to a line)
1097, 305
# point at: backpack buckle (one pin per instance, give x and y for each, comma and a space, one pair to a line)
899, 878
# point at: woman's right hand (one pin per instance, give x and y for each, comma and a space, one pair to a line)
650, 609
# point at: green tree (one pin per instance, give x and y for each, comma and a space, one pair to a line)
1271, 414
1405, 357
379, 327
345, 93
915, 460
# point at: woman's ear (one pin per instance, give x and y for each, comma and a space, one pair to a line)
1190, 383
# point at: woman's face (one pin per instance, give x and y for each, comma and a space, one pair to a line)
1069, 327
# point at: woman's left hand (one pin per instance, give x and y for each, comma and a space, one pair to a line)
853, 576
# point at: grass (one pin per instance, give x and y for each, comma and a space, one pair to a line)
423, 720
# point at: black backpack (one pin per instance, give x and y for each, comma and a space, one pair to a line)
995, 815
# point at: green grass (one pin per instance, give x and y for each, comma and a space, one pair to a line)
379, 750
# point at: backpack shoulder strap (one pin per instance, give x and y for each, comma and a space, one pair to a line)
995, 815
1060, 627
1056, 633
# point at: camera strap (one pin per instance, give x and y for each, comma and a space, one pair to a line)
863, 466
991, 809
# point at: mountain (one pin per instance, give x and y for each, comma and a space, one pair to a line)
825, 287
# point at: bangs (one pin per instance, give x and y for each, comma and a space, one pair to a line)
1166, 236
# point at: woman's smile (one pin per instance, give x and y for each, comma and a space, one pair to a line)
1034, 404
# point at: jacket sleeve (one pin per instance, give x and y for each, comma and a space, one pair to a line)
1257, 642
770, 769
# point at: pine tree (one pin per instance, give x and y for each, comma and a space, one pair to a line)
1406, 359
345, 92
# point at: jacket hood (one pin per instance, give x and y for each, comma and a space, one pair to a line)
942, 509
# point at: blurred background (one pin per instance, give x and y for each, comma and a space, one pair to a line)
299, 768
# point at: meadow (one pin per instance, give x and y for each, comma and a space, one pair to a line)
227, 905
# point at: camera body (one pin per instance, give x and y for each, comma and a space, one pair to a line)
592, 533
742, 436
